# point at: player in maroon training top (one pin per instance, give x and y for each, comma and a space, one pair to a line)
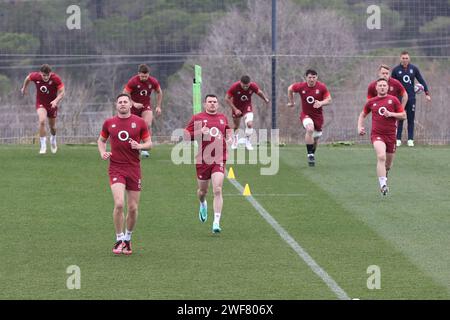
314, 95
211, 130
140, 88
386, 110
124, 131
239, 98
395, 87
49, 93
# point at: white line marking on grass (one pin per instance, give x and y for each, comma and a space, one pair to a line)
340, 293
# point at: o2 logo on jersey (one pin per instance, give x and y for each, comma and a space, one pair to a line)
244, 98
214, 132
406, 79
382, 111
43, 89
310, 99
143, 93
123, 135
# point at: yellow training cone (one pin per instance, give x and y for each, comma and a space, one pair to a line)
231, 174
247, 190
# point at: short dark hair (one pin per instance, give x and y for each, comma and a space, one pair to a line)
245, 79
123, 95
404, 52
381, 79
45, 68
209, 95
143, 68
311, 72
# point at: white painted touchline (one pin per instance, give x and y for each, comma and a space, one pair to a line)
329, 281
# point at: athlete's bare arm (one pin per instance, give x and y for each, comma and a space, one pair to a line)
146, 145
361, 129
229, 101
324, 102
26, 82
291, 102
404, 99
396, 115
263, 96
159, 97
60, 95
101, 143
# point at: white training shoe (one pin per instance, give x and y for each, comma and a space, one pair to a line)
43, 150
384, 190
248, 145
216, 228
410, 143
399, 143
53, 147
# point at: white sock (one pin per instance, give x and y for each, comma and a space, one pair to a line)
203, 204
43, 141
53, 139
127, 236
382, 181
217, 217
120, 236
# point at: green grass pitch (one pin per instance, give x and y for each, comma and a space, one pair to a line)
56, 211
